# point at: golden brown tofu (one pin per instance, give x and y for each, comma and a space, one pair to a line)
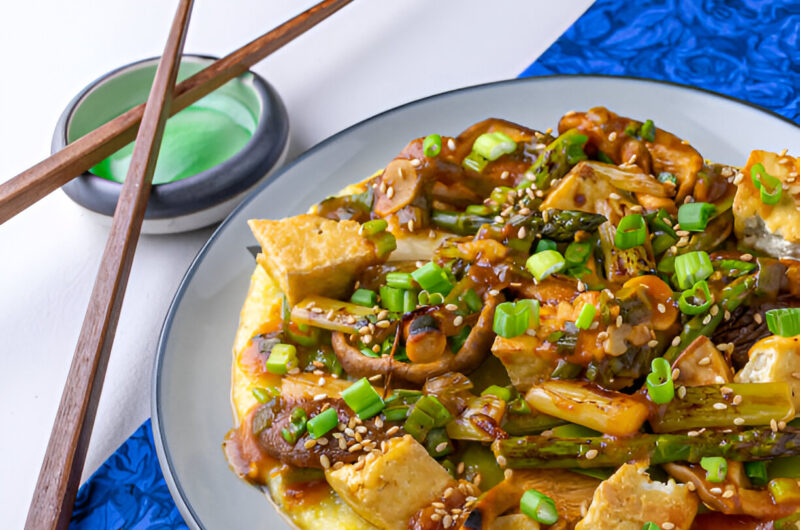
629, 499
525, 368
307, 254
695, 370
774, 359
389, 489
773, 229
515, 521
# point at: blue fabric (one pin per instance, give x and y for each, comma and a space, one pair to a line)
742, 48
748, 49
128, 491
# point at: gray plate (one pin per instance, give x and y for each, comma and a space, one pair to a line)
191, 387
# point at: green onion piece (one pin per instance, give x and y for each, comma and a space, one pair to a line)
538, 507
543, 264
500, 194
478, 209
604, 158
432, 145
694, 216
475, 162
472, 300
409, 301
651, 526
666, 176
498, 391
662, 242
384, 242
376, 226
689, 308
418, 424
431, 406
631, 232
263, 395
648, 131
692, 267
586, 316
631, 129
659, 382
493, 145
435, 299
433, 279
363, 399
282, 358
784, 490
423, 298
577, 253
396, 413
511, 320
296, 426
546, 244
392, 298
365, 297
533, 308
662, 220
765, 184
784, 322
322, 423
716, 468
519, 406
369, 353
400, 280
756, 472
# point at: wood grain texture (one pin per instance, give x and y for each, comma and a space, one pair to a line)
59, 477
77, 157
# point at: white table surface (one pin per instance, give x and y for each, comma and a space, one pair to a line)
371, 56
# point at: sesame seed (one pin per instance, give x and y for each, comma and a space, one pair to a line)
432, 234
614, 196
676, 341
757, 318
502, 461
720, 406
321, 381
612, 136
319, 397
681, 392
392, 430
738, 421
591, 454
728, 494
322, 441
441, 447
691, 486
715, 491
460, 468
524, 211
619, 320
458, 320
353, 448
447, 520
714, 310
390, 192
781, 425
325, 462
376, 348
494, 292
676, 372
727, 315
653, 343
693, 434
382, 187
704, 361
361, 429
667, 526
632, 159
451, 144
746, 257
726, 390
410, 225
366, 339
662, 308
317, 310
415, 162
310, 443
773, 425
522, 232
499, 219
737, 400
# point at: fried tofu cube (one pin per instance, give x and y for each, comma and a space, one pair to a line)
308, 254
694, 371
628, 499
770, 228
389, 489
524, 366
774, 359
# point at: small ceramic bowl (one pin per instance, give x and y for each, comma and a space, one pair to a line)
195, 201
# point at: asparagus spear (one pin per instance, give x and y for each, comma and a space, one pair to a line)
558, 158
548, 452
561, 225
707, 406
460, 223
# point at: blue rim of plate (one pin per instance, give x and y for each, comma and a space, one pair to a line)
162, 449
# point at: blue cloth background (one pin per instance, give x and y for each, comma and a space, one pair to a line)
743, 48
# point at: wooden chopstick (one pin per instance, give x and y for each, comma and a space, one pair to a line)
59, 477
50, 174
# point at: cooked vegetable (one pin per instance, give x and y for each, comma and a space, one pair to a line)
550, 452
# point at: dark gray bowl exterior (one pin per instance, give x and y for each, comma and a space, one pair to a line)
200, 191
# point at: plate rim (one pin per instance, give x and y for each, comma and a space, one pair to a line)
162, 449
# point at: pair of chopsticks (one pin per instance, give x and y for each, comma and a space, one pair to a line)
61, 470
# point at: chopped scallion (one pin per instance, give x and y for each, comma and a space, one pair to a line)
688, 307
648, 131
692, 267
364, 297
511, 320
756, 472
322, 423
363, 399
769, 186
282, 358
545, 244
493, 145
694, 216
433, 279
392, 298
659, 382
370, 228
538, 507
475, 162
577, 253
472, 300
631, 232
716, 468
784, 322
498, 391
400, 280
543, 264
666, 176
586, 316
409, 300
432, 145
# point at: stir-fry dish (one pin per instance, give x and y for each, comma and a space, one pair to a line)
594, 328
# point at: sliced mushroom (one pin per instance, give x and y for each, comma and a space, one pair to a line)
471, 354
400, 184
